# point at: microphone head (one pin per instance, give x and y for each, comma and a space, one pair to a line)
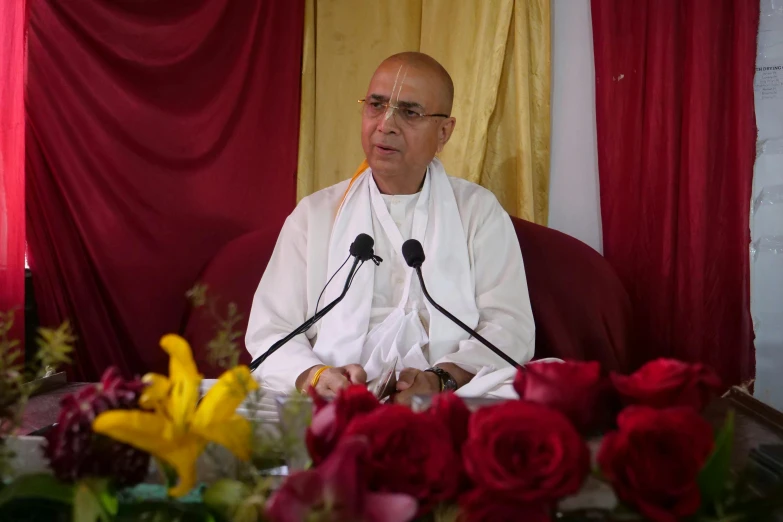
413, 253
362, 247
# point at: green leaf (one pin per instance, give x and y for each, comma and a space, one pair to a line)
40, 486
164, 511
94, 500
715, 475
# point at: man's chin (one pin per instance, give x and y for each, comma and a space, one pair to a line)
384, 165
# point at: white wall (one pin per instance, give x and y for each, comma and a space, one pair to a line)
766, 218
574, 205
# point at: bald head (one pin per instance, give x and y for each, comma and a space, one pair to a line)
406, 120
429, 66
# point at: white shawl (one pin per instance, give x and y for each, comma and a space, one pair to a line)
343, 337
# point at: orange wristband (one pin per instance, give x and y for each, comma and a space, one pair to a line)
318, 375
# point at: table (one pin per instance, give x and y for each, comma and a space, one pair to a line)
755, 423
42, 409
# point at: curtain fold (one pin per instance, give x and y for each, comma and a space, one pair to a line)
676, 145
12, 225
498, 55
156, 133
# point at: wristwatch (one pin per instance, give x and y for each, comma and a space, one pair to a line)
447, 382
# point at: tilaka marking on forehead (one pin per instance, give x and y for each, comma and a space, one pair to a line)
394, 100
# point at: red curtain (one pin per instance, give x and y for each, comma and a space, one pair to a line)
676, 142
12, 230
156, 133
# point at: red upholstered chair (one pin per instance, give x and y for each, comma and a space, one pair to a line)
231, 276
580, 307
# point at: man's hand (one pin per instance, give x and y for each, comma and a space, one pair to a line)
415, 382
332, 380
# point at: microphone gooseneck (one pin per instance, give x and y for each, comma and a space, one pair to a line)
413, 253
362, 250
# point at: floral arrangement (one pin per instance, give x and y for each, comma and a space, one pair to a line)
526, 459
641, 437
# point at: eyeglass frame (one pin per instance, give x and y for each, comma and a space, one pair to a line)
388, 105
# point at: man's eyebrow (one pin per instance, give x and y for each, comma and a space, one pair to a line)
404, 104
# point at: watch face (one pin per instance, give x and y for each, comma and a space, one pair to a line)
446, 380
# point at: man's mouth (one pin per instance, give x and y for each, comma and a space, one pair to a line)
385, 149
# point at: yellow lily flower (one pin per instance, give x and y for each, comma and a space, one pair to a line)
177, 427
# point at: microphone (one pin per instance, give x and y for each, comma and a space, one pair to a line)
362, 250
413, 253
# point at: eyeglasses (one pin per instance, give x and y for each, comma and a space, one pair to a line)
408, 115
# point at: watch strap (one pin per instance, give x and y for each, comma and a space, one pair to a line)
447, 382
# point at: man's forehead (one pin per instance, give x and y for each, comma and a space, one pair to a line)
402, 84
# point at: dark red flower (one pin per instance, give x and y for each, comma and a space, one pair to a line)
454, 414
75, 451
572, 388
485, 506
654, 458
408, 453
664, 383
335, 491
526, 452
331, 419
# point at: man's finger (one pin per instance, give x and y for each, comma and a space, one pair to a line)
356, 373
404, 397
406, 378
336, 380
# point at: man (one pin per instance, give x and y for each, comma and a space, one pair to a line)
473, 268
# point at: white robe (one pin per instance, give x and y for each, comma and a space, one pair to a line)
474, 269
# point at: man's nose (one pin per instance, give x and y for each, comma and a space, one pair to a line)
387, 122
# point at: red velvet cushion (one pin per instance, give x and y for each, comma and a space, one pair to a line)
231, 276
580, 307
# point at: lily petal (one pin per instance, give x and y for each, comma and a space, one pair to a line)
154, 434
144, 430
180, 357
183, 460
235, 434
185, 380
221, 401
156, 391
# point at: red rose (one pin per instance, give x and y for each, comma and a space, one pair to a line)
407, 454
335, 492
572, 388
455, 415
331, 419
664, 383
483, 506
452, 411
525, 451
654, 458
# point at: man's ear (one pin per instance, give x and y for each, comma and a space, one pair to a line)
444, 132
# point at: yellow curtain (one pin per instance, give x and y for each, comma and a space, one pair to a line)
498, 54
